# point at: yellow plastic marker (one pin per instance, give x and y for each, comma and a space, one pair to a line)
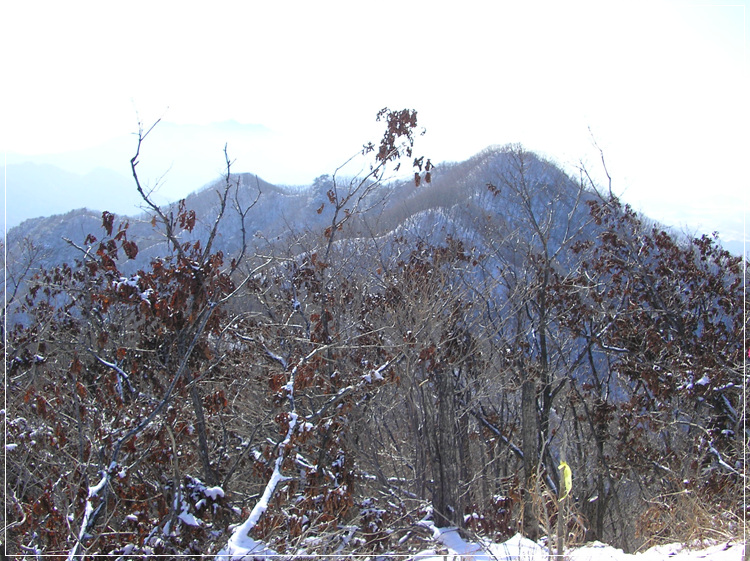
567, 478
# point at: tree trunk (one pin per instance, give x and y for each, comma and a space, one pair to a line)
446, 459
208, 473
530, 437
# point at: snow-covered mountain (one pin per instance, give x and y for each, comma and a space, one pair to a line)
455, 200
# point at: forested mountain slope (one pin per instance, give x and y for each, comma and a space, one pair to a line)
322, 368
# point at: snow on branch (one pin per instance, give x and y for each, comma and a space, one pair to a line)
90, 510
240, 543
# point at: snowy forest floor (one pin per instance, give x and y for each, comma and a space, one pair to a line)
450, 546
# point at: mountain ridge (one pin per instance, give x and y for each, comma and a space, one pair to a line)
282, 211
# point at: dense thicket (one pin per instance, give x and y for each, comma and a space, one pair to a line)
328, 390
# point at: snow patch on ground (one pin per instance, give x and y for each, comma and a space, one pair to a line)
450, 545
519, 548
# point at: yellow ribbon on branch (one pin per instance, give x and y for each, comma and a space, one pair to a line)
566, 480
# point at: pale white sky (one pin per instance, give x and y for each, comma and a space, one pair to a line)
663, 85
